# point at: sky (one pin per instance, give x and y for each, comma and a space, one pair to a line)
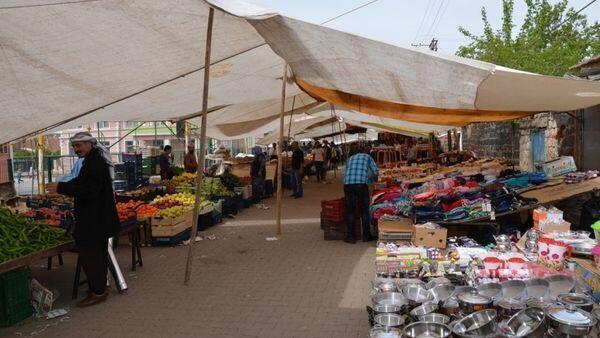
404, 22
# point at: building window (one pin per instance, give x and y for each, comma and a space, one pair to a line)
103, 124
129, 146
132, 124
158, 143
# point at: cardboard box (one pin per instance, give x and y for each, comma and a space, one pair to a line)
394, 226
563, 226
560, 166
430, 238
171, 230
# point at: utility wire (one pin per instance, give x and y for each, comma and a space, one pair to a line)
348, 12
434, 20
440, 19
422, 21
50, 4
574, 14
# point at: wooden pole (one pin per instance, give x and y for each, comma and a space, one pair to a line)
279, 148
200, 170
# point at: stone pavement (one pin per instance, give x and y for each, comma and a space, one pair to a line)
242, 285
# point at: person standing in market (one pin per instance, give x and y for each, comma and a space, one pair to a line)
319, 159
165, 161
96, 218
360, 169
190, 163
297, 170
258, 173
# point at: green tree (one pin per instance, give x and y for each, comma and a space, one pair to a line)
551, 39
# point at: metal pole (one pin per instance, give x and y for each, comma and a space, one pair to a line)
41, 179
279, 148
200, 171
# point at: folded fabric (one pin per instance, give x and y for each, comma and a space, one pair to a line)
388, 210
447, 206
459, 181
423, 217
473, 202
424, 196
537, 178
456, 214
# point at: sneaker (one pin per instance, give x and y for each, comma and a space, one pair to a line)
93, 299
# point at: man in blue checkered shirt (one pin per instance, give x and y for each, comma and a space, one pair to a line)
360, 169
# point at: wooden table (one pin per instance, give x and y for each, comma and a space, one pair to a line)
36, 256
563, 191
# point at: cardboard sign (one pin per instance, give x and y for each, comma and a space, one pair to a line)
430, 238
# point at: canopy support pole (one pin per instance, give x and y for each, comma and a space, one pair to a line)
40, 164
200, 170
279, 157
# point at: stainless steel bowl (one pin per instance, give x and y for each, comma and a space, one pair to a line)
513, 289
423, 309
427, 330
390, 298
492, 290
576, 299
481, 323
385, 286
437, 281
386, 308
530, 322
389, 320
435, 318
537, 288
416, 294
441, 293
560, 284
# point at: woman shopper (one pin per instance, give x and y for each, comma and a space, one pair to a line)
319, 158
258, 173
96, 218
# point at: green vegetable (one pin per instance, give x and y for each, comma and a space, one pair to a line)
22, 236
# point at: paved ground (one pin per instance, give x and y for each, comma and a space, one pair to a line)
242, 284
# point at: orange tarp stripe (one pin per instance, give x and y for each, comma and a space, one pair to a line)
406, 112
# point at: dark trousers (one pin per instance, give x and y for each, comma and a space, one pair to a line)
319, 170
94, 259
360, 193
297, 182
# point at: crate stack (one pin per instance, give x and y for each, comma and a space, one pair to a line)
333, 220
133, 170
171, 231
150, 166
15, 305
120, 181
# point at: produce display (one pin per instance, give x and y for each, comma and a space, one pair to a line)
49, 216
22, 236
126, 211
182, 183
50, 200
175, 212
213, 187
143, 193
146, 210
231, 181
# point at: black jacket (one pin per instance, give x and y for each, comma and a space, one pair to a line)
95, 212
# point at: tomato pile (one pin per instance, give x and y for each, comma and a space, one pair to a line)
126, 211
146, 210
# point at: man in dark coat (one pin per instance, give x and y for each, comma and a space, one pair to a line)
96, 218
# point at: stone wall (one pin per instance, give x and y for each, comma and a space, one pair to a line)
512, 140
491, 140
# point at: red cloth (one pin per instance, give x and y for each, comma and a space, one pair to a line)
451, 206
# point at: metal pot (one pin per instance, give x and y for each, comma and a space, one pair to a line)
389, 320
437, 281
481, 323
385, 286
492, 290
472, 301
576, 299
435, 318
386, 308
390, 298
508, 308
416, 294
441, 293
514, 289
423, 309
560, 284
380, 332
537, 288
570, 321
450, 307
537, 303
423, 329
530, 322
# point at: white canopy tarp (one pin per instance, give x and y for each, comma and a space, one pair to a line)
142, 60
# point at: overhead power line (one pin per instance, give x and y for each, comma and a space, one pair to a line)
350, 11
422, 21
435, 18
574, 14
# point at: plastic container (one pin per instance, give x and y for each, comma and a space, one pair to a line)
14, 297
596, 253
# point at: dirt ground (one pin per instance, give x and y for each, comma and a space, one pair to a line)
242, 284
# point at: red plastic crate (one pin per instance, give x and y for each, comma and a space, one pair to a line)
335, 210
336, 231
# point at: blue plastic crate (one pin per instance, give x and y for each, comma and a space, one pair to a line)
173, 240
